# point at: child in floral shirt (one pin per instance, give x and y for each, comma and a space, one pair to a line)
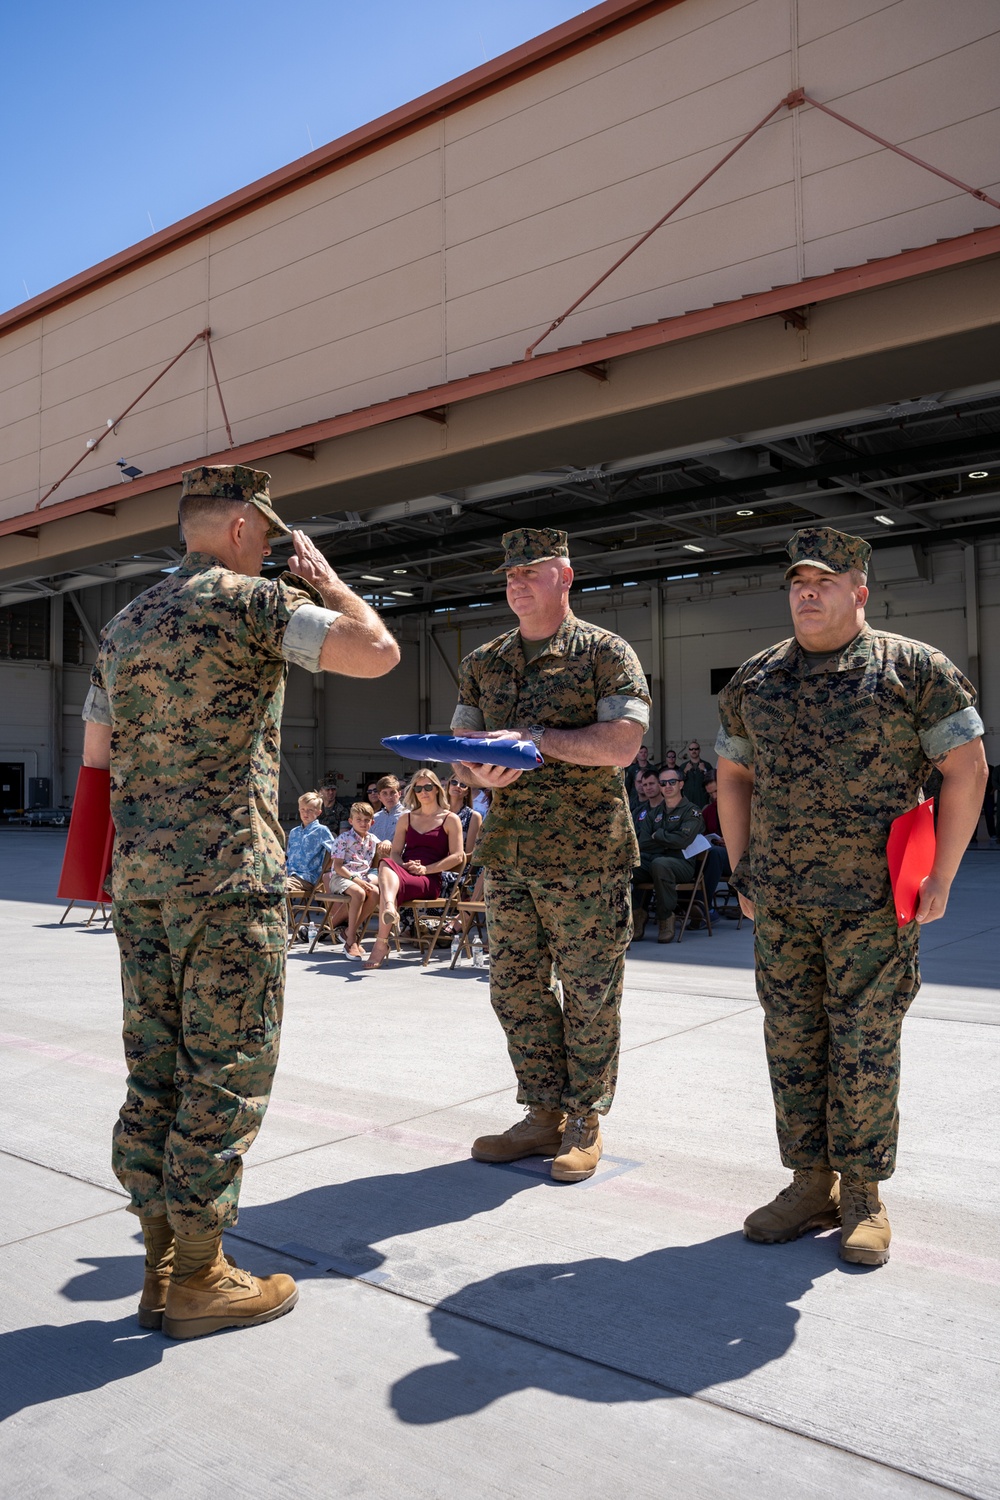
353, 853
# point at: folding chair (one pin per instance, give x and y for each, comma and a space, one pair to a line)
697, 892
437, 910
471, 913
731, 894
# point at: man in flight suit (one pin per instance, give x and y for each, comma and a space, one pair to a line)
185, 709
825, 739
558, 848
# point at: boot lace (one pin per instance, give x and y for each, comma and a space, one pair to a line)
800, 1183
576, 1129
859, 1200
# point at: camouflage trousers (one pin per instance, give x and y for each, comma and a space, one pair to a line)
203, 984
835, 986
566, 931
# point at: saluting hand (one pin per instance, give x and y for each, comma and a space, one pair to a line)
309, 563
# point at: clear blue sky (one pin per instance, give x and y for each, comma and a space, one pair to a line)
118, 114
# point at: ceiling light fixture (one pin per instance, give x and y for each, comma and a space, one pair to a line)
692, 547
885, 520
744, 512
403, 593
979, 474
400, 570
372, 578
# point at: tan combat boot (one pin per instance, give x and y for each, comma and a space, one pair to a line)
865, 1232
220, 1295
810, 1201
639, 918
538, 1134
666, 933
158, 1238
580, 1150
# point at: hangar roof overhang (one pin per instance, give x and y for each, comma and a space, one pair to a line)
614, 439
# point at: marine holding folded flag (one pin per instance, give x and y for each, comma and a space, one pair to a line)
185, 709
827, 738
559, 849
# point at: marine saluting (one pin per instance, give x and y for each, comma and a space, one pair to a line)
185, 709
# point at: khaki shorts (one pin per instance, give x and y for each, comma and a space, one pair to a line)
336, 885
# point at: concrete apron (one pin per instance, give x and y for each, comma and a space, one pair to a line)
479, 1296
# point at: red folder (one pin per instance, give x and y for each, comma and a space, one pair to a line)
86, 864
910, 852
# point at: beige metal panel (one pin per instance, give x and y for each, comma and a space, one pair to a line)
905, 107
672, 26
143, 297
283, 389
175, 426
886, 44
618, 184
383, 194
328, 324
681, 72
872, 195
110, 375
755, 227
820, 18
20, 361
351, 262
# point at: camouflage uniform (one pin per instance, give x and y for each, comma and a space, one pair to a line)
558, 847
839, 745
191, 677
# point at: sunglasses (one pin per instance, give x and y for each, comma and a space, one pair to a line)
462, 786
425, 787
671, 781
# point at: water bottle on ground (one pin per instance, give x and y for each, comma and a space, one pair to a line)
477, 952
312, 932
456, 948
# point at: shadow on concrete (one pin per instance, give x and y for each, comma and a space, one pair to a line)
48, 1362
348, 1219
684, 1319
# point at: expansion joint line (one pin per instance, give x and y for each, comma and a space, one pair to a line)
794, 100
94, 443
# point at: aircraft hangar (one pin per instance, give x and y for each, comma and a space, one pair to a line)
454, 320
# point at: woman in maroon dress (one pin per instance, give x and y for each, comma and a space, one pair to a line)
427, 841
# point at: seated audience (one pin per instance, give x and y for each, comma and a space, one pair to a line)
427, 842
387, 814
663, 836
695, 772
647, 796
308, 846
638, 768
460, 802
333, 810
353, 853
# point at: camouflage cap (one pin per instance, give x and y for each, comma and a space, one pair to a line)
234, 482
531, 544
832, 551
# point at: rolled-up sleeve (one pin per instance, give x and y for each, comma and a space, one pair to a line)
304, 635
467, 716
732, 741
734, 747
621, 706
97, 706
957, 729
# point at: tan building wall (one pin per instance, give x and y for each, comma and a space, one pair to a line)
446, 252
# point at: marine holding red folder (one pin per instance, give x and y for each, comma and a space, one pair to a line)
826, 740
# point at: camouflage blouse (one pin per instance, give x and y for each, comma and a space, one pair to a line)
839, 746
559, 816
191, 678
